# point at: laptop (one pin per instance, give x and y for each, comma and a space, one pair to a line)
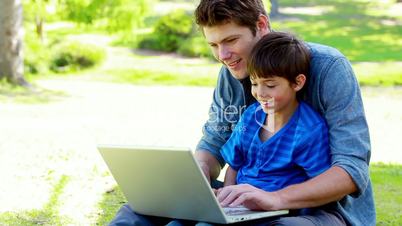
168, 182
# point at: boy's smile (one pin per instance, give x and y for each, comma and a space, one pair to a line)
274, 94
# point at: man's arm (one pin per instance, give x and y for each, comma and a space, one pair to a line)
332, 185
227, 105
208, 163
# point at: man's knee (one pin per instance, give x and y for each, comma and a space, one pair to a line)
292, 221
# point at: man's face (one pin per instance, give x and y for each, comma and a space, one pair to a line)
231, 44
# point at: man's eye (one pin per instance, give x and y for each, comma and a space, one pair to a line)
231, 40
253, 84
271, 86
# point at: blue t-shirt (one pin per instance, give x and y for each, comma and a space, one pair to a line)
297, 152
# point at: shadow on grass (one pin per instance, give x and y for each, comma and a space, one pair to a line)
48, 215
350, 27
33, 95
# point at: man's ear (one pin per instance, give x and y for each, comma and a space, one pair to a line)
300, 81
263, 25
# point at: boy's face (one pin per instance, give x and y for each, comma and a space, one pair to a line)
231, 44
274, 94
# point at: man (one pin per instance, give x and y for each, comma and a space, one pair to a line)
232, 28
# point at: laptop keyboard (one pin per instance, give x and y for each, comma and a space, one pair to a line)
232, 211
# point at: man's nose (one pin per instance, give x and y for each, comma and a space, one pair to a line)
224, 53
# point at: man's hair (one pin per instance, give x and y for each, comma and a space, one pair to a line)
279, 54
219, 12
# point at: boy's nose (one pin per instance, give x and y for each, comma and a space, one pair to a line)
261, 93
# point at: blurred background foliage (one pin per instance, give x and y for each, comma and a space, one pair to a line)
365, 31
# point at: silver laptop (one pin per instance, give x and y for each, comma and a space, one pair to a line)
168, 182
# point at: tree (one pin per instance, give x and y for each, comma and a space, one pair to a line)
274, 8
11, 33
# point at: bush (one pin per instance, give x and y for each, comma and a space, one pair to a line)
71, 56
195, 46
169, 32
36, 55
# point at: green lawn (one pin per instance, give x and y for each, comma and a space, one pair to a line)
387, 183
48, 215
386, 179
363, 30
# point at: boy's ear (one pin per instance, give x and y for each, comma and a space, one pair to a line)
300, 81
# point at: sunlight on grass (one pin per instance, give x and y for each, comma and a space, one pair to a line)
349, 27
110, 203
379, 74
144, 77
387, 181
48, 215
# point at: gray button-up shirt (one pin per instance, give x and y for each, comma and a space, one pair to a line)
333, 91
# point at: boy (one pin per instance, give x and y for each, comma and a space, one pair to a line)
279, 139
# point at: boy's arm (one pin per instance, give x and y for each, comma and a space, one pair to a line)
230, 177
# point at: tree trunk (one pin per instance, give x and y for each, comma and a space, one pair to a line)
274, 8
11, 33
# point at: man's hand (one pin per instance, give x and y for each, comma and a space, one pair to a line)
248, 196
209, 164
330, 186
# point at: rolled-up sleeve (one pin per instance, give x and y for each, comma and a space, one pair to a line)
348, 130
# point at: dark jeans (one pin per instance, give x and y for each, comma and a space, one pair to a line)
127, 217
316, 217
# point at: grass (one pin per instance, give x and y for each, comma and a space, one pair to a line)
110, 203
387, 183
33, 95
363, 30
386, 180
379, 74
148, 77
48, 215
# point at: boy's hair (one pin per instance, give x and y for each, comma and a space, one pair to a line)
279, 54
218, 12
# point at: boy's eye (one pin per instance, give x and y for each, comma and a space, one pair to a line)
270, 86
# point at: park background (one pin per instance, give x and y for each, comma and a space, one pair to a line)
139, 72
